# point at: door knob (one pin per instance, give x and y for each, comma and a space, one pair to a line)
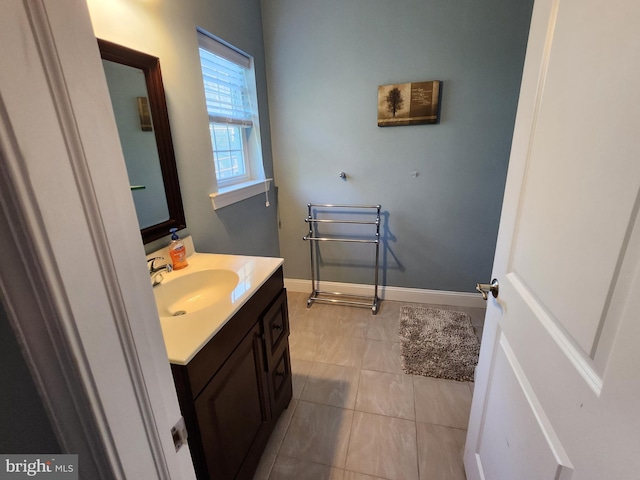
486, 288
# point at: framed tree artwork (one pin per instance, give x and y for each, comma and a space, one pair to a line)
409, 103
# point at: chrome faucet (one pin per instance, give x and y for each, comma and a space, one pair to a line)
156, 272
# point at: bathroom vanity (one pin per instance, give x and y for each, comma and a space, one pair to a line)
230, 362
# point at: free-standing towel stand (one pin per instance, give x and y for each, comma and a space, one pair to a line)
335, 297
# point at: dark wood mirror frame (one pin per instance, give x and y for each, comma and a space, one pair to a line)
158, 105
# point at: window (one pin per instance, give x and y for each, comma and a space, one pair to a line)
229, 88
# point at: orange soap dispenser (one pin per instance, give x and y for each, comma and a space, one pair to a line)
177, 251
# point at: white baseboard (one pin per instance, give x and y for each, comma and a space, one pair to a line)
400, 294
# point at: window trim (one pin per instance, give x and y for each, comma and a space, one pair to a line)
226, 196
253, 182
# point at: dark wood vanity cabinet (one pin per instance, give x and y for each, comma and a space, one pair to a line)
234, 390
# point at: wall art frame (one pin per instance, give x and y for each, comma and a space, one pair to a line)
416, 103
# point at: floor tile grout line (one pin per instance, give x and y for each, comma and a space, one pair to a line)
306, 378
310, 461
353, 417
374, 413
304, 459
284, 434
346, 453
415, 425
415, 407
415, 429
355, 409
443, 426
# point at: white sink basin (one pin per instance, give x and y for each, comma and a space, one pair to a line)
194, 291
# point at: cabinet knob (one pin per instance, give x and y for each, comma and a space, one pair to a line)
276, 326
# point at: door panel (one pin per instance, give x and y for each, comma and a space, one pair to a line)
539, 335
555, 386
567, 209
517, 436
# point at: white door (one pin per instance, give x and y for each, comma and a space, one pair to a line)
557, 391
72, 266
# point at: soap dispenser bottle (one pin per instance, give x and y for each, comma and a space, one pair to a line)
177, 251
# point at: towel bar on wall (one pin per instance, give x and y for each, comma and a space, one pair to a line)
319, 296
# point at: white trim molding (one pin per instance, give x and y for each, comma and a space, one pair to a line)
236, 193
74, 283
400, 294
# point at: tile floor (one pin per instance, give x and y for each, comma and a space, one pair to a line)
355, 415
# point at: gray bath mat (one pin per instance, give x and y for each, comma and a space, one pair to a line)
438, 343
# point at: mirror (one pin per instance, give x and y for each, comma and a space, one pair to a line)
140, 108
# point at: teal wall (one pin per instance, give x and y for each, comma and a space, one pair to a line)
325, 61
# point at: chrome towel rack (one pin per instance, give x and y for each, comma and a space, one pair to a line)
319, 296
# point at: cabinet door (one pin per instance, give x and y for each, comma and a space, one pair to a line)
232, 411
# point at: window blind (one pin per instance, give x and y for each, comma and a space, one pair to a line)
225, 83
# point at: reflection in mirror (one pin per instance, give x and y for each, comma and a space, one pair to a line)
139, 105
127, 87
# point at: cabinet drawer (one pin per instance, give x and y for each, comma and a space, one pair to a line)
276, 327
280, 386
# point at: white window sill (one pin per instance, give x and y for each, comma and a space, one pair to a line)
241, 191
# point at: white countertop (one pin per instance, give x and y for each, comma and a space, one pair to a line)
185, 335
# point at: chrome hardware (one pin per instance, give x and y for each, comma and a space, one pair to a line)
151, 263
374, 238
156, 272
486, 288
342, 175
